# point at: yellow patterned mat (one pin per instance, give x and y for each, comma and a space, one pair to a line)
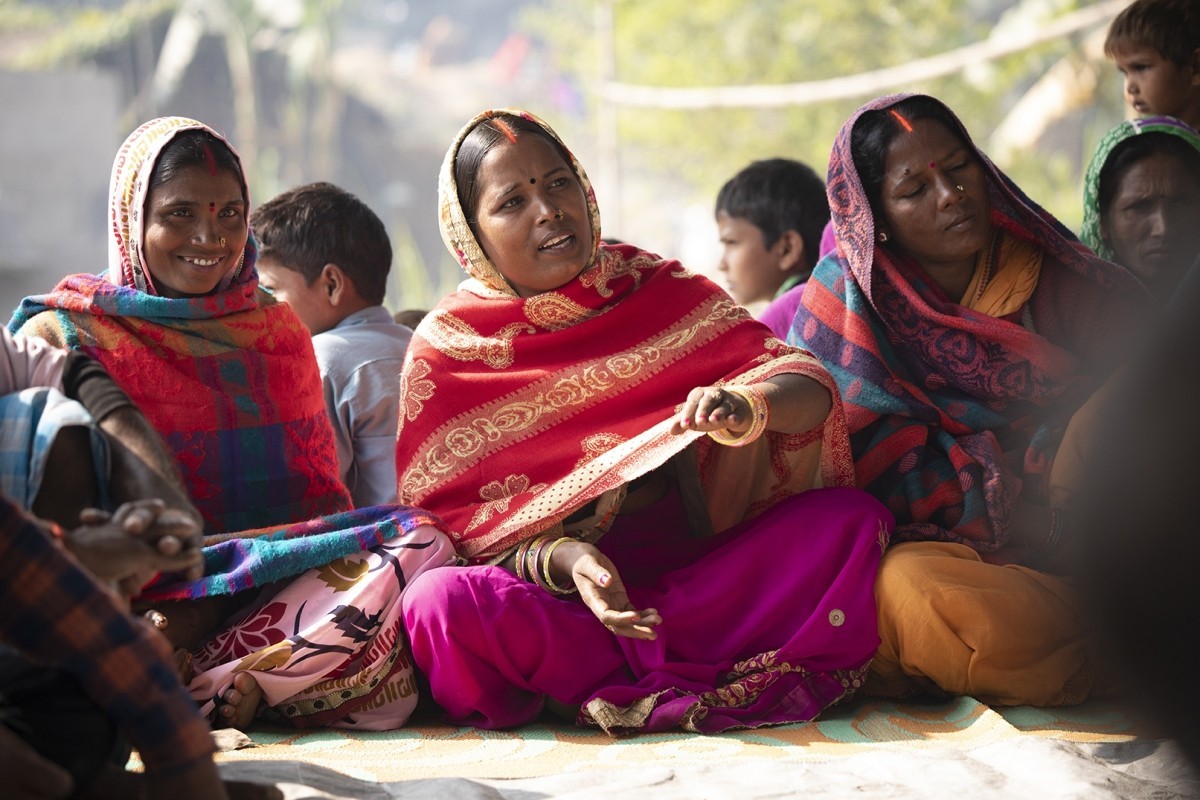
432, 750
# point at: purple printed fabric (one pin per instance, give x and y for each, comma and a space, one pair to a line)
779, 312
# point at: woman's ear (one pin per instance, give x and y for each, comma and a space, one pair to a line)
790, 250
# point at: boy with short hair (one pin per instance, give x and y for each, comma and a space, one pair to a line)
1156, 46
324, 252
770, 216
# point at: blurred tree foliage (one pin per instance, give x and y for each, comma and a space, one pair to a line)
688, 43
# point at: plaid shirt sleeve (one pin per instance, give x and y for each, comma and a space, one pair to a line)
56, 614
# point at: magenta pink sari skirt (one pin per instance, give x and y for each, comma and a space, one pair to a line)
767, 624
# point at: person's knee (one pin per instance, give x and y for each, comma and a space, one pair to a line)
859, 508
69, 484
435, 594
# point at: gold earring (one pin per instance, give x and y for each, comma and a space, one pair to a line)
882, 236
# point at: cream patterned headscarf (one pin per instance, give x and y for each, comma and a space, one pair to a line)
127, 190
456, 231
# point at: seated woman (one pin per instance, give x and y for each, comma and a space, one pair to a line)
555, 410
1142, 200
228, 378
963, 325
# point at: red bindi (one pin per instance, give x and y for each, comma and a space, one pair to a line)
933, 165
212, 207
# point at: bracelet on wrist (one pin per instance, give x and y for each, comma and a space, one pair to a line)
551, 586
534, 560
760, 413
1054, 537
519, 560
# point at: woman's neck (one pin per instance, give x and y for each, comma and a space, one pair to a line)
952, 278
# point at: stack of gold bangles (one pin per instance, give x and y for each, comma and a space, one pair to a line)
760, 413
532, 567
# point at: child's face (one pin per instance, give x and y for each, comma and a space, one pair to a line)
311, 303
1158, 86
752, 271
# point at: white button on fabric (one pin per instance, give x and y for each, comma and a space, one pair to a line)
836, 618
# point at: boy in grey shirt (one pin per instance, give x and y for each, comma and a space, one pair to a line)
324, 252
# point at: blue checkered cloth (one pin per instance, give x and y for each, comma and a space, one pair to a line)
29, 421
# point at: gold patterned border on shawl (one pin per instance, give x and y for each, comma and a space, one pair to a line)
651, 449
506, 421
747, 681
457, 339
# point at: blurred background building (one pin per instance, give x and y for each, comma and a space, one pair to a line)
662, 100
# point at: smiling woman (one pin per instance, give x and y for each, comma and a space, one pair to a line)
178, 308
229, 379
196, 227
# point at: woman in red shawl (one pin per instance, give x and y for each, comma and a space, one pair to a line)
964, 326
630, 464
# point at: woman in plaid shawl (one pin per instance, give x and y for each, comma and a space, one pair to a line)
228, 378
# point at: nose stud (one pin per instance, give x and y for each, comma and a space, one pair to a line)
223, 238
960, 188
558, 214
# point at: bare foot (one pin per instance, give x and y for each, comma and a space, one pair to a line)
183, 665
241, 701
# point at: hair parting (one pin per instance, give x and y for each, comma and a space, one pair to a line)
505, 128
908, 128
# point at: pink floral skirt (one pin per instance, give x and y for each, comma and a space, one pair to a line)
328, 647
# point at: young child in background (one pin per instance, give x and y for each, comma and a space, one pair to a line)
770, 217
1156, 46
327, 254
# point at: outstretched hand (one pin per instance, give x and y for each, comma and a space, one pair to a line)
711, 408
139, 540
603, 592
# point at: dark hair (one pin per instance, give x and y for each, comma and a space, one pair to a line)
1135, 149
778, 195
478, 143
875, 129
310, 226
1172, 27
194, 148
